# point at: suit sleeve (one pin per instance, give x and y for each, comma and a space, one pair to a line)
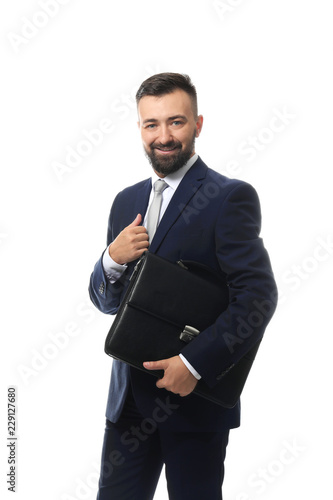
252, 289
107, 296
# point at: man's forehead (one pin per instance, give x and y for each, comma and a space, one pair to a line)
178, 102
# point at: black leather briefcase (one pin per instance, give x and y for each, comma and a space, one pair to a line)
167, 305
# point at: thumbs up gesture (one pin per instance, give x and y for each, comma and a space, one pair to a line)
130, 243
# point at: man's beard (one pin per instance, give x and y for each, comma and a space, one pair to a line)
168, 165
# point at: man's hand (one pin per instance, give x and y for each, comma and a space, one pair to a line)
130, 243
177, 377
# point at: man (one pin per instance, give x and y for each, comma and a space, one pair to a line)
203, 217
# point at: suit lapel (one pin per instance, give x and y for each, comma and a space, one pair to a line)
142, 199
183, 195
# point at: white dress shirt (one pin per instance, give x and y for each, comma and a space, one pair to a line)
113, 271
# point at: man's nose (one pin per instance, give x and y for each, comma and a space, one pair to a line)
165, 135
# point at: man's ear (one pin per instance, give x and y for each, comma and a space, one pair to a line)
198, 125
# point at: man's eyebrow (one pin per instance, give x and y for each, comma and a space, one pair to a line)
171, 118
177, 116
150, 120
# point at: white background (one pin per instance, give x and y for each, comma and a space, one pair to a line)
82, 65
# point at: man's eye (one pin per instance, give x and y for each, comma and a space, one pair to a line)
177, 122
151, 125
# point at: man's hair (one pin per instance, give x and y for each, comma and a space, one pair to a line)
166, 83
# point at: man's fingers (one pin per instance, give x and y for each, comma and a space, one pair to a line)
155, 365
141, 235
160, 384
130, 243
140, 245
177, 378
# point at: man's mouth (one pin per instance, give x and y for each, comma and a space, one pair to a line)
166, 151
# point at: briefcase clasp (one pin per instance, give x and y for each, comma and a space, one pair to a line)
189, 333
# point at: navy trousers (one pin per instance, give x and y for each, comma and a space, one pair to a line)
135, 449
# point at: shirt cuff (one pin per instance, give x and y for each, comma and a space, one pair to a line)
190, 367
112, 269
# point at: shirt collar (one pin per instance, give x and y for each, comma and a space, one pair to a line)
173, 180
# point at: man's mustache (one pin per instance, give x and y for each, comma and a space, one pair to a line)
166, 147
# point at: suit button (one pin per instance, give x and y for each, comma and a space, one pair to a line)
101, 288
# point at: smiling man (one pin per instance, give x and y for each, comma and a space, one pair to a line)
151, 423
169, 126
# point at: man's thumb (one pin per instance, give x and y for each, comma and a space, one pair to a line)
137, 221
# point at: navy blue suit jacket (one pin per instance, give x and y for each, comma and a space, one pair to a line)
216, 221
